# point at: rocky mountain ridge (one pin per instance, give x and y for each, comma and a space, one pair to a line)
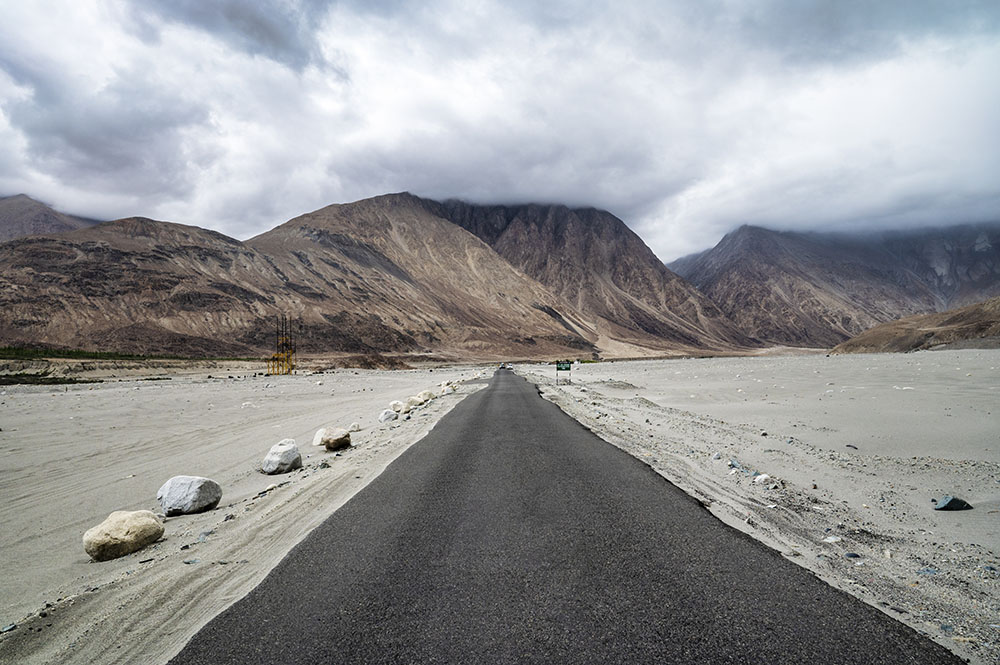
22, 216
974, 326
387, 274
811, 289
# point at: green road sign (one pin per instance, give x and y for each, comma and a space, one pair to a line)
562, 366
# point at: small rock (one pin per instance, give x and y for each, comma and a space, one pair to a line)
396, 405
717, 456
190, 561
760, 478
8, 628
927, 571
387, 416
832, 539
952, 503
283, 457
355, 427
852, 555
182, 495
336, 439
763, 433
123, 532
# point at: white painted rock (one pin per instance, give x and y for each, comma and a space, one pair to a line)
387, 415
188, 494
355, 427
283, 457
123, 532
396, 405
336, 438
413, 402
425, 395
318, 437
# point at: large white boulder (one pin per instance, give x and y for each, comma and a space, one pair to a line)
413, 402
123, 532
396, 405
336, 438
425, 395
387, 416
318, 437
283, 457
188, 494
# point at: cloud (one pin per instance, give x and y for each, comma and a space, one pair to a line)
684, 118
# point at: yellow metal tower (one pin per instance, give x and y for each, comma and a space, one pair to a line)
283, 359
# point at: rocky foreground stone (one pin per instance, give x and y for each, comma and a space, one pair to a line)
123, 532
283, 457
336, 438
183, 495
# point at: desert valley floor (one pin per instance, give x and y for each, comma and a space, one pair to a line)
818, 456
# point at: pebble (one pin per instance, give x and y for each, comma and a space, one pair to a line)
190, 561
8, 628
852, 555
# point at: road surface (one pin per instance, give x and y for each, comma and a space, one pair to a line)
511, 534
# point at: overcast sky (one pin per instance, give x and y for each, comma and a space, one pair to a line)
686, 118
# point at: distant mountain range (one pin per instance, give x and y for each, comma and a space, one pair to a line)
401, 274
389, 274
812, 289
23, 216
971, 327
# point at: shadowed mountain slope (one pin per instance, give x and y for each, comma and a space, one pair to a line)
811, 289
595, 262
972, 326
381, 275
392, 273
22, 216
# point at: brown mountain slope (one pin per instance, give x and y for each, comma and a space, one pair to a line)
390, 257
595, 262
976, 326
378, 275
22, 216
820, 289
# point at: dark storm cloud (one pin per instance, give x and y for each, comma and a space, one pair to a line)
281, 31
685, 118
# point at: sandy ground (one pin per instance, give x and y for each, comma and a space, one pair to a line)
855, 448
70, 455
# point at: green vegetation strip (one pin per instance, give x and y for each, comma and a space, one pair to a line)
21, 353
38, 380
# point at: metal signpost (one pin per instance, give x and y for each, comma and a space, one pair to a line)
563, 366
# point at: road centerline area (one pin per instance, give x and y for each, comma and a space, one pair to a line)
512, 534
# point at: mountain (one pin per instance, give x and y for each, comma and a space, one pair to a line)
389, 257
23, 216
811, 289
595, 262
972, 326
393, 273
379, 275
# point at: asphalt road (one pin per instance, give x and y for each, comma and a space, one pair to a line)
511, 534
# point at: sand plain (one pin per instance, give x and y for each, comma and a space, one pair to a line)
71, 454
878, 436
854, 448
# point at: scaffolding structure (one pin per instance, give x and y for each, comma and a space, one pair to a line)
283, 359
